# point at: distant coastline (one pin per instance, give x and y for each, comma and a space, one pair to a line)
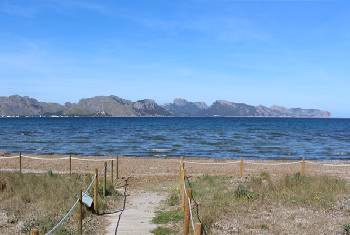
113, 106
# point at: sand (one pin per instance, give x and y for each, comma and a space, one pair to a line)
137, 216
150, 167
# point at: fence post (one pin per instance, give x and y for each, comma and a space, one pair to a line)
80, 228
96, 192
180, 183
20, 162
302, 170
182, 180
241, 166
117, 166
70, 164
34, 231
105, 180
187, 218
198, 229
112, 171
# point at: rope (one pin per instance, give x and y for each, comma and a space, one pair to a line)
124, 205
211, 163
69, 212
327, 164
272, 164
197, 207
247, 162
63, 219
46, 159
5, 158
189, 205
62, 158
91, 160
90, 185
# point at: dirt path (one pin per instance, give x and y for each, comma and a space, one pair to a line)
137, 217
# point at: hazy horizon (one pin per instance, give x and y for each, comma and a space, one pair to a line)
286, 53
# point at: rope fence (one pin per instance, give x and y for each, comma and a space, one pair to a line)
192, 222
78, 202
186, 203
69, 160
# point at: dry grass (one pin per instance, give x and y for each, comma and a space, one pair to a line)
261, 205
40, 200
290, 204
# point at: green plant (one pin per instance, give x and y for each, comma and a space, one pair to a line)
346, 228
173, 198
50, 173
162, 231
243, 193
164, 217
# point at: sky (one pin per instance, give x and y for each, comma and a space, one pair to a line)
289, 53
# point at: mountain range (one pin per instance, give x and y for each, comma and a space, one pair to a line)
117, 107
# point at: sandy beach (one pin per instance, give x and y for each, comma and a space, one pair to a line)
168, 167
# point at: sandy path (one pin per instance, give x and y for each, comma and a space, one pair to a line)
137, 216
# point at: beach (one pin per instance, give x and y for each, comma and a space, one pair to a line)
150, 178
129, 166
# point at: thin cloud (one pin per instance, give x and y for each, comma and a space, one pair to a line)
229, 29
31, 10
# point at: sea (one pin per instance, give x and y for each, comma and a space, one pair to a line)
214, 137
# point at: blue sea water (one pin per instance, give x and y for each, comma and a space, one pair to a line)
256, 138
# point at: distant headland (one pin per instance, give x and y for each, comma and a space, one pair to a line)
113, 106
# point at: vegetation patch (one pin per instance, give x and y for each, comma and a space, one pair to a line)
346, 228
165, 217
225, 197
160, 230
40, 200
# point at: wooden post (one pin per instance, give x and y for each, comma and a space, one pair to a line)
112, 171
80, 228
105, 180
241, 166
302, 170
34, 231
70, 164
198, 229
180, 175
117, 166
183, 175
187, 218
96, 192
20, 162
180, 181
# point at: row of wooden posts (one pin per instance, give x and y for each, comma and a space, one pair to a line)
302, 167
186, 199
70, 165
95, 191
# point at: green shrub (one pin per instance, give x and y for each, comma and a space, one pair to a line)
346, 228
243, 193
162, 231
164, 217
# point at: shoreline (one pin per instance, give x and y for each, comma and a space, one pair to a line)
164, 157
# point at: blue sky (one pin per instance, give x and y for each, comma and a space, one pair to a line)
290, 53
